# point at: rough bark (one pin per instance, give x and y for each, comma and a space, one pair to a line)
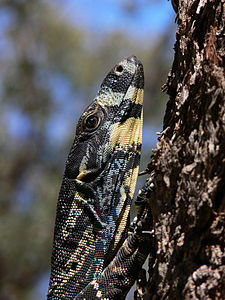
189, 162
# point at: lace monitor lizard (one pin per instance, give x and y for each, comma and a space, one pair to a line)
93, 256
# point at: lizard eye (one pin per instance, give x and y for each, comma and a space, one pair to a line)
92, 122
119, 69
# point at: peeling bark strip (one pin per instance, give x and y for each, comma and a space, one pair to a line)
189, 162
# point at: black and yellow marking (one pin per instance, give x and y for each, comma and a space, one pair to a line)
99, 182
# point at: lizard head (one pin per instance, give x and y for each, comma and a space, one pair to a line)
112, 121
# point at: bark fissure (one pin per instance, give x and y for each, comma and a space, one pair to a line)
189, 162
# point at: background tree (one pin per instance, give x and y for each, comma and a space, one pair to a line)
189, 162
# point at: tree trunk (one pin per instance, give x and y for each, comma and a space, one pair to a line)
189, 197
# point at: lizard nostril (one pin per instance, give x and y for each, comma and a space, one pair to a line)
119, 69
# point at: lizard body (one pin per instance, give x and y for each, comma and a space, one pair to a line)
98, 185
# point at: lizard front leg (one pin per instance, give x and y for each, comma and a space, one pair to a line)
118, 277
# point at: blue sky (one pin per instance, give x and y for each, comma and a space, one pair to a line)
150, 17
148, 20
146, 23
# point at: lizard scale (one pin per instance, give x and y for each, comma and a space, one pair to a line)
99, 182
